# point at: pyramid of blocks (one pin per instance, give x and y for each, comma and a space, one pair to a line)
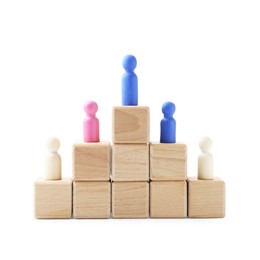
133, 177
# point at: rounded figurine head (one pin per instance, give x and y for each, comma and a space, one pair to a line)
129, 63
91, 108
205, 144
168, 109
53, 144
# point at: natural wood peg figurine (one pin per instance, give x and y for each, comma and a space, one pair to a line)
52, 160
205, 160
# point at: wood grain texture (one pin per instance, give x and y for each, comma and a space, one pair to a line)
53, 198
168, 161
206, 198
168, 199
131, 124
130, 162
130, 199
91, 161
92, 199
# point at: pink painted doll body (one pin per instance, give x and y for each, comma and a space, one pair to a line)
91, 123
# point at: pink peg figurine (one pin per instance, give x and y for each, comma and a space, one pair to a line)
91, 123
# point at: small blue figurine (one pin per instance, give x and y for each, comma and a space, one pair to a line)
168, 124
129, 82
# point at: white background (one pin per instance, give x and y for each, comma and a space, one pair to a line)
202, 55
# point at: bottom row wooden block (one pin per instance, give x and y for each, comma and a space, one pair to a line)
206, 198
168, 199
53, 198
130, 199
91, 199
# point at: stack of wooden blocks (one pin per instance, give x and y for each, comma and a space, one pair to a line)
130, 162
138, 178
148, 178
168, 186
91, 186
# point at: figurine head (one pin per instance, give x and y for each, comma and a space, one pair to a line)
168, 109
91, 108
205, 144
53, 144
129, 63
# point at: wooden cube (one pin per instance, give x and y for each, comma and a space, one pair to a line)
206, 198
168, 199
130, 199
130, 162
168, 161
53, 198
91, 161
131, 124
91, 199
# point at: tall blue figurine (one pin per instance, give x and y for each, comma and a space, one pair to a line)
129, 82
168, 124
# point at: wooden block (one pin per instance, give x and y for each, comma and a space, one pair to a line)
130, 199
168, 161
206, 198
130, 162
168, 199
131, 124
53, 198
91, 161
92, 199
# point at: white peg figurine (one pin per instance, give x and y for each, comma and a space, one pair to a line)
205, 160
53, 160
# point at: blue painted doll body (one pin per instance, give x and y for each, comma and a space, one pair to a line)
129, 82
168, 124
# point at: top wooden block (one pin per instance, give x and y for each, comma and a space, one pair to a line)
91, 161
168, 161
131, 124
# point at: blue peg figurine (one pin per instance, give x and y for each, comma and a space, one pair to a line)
168, 124
129, 82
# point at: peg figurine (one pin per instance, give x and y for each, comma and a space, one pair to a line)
205, 160
168, 124
52, 160
129, 82
91, 123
